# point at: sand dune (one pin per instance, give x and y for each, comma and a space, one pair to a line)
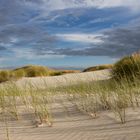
67, 79
73, 125
68, 122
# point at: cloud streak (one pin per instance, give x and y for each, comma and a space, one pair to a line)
64, 4
85, 38
42, 29
114, 43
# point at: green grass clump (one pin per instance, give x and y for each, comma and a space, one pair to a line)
34, 71
4, 75
19, 74
100, 67
31, 71
127, 68
56, 73
8, 75
27, 71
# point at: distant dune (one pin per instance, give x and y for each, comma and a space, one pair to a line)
99, 67
67, 79
31, 71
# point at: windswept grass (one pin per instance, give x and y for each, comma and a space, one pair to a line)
34, 71
31, 71
100, 67
27, 71
114, 95
92, 98
127, 68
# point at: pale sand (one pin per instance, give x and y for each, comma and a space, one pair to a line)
63, 80
72, 124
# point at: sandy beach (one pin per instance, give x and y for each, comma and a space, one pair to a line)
67, 79
73, 125
68, 122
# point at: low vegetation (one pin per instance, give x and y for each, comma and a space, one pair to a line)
90, 98
100, 67
127, 68
27, 71
31, 71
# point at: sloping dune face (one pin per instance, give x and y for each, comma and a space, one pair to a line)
68, 79
62, 116
74, 125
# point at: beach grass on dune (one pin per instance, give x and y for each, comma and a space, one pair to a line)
89, 98
114, 94
31, 71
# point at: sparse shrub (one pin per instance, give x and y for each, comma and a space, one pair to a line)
34, 71
56, 73
127, 68
100, 67
19, 74
70, 71
31, 71
4, 76
7, 75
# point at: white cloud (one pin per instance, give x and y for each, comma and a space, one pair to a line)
29, 55
133, 4
50, 5
85, 38
64, 4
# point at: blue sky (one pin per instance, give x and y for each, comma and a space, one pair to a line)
68, 33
